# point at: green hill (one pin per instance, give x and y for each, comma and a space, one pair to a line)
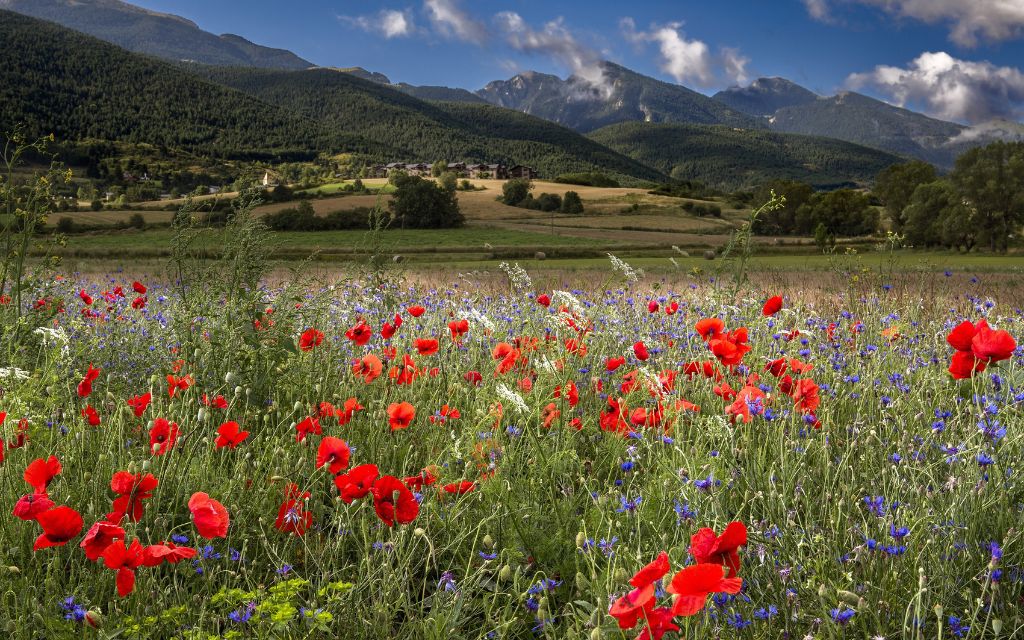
730, 158
59, 81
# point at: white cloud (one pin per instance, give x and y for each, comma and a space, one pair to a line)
388, 23
452, 22
969, 20
950, 88
688, 61
556, 41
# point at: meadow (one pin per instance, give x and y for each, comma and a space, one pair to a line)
391, 453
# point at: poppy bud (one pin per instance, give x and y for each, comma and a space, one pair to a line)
542, 607
238, 391
419, 532
156, 452
997, 625
821, 591
581, 538
13, 569
938, 611
195, 354
595, 634
229, 378
488, 541
87, 476
133, 467
581, 581
297, 407
505, 574
849, 597
248, 392
620, 575
202, 415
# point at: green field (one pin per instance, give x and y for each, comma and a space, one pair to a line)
334, 188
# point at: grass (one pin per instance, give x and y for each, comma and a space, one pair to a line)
902, 502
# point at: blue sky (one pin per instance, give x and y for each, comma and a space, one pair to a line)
875, 46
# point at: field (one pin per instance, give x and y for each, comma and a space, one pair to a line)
497, 454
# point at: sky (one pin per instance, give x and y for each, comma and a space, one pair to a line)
953, 59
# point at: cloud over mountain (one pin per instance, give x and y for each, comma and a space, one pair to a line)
688, 60
388, 23
950, 88
555, 41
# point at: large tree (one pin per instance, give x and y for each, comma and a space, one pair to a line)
424, 204
991, 181
896, 184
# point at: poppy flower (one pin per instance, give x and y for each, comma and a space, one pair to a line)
400, 415
124, 559
671, 308
86, 298
140, 403
990, 346
230, 435
85, 386
805, 396
162, 436
424, 478
139, 288
210, 517
345, 414
360, 333
390, 508
100, 536
156, 554
369, 368
333, 451
60, 524
292, 517
458, 328
28, 507
695, 583
962, 335
459, 488
388, 330
777, 367
628, 609
91, 416
220, 402
310, 338
964, 365
426, 346
706, 547
749, 402
415, 310
640, 351
175, 384
131, 490
357, 482
544, 300
139, 302
614, 363
39, 473
709, 328
659, 622
772, 306
308, 425
473, 377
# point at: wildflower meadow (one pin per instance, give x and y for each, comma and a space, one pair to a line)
381, 459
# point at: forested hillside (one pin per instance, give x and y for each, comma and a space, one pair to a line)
730, 158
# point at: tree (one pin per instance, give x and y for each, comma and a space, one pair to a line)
927, 211
991, 181
571, 203
515, 191
843, 212
438, 168
895, 186
424, 204
448, 180
781, 221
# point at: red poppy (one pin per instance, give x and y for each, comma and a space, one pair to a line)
91, 416
162, 436
210, 517
990, 346
459, 488
156, 554
640, 351
544, 300
310, 338
426, 346
772, 306
357, 482
805, 396
39, 473
671, 308
31, 505
473, 377
175, 384
345, 414
140, 403
100, 536
292, 517
368, 368
415, 310
85, 386
777, 367
139, 303
706, 547
86, 298
424, 478
614, 363
230, 435
360, 333
695, 583
964, 365
458, 328
631, 607
308, 425
139, 288
709, 328
400, 415
659, 622
730, 348
124, 559
406, 373
60, 524
333, 451
402, 509
131, 490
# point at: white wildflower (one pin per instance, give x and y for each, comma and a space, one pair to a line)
512, 398
13, 372
517, 276
481, 320
628, 272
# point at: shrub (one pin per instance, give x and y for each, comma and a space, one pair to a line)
590, 179
515, 191
572, 203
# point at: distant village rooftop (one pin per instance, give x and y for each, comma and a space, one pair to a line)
483, 170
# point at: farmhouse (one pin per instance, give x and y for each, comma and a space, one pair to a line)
522, 171
495, 171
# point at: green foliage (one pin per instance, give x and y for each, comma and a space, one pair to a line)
587, 180
991, 181
516, 191
936, 216
843, 212
782, 220
896, 184
732, 159
572, 203
424, 204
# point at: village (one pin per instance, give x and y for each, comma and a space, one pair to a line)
482, 171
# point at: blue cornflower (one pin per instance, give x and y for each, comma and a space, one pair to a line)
766, 614
842, 616
628, 505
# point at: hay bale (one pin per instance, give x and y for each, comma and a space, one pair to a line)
709, 254
398, 259
540, 255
